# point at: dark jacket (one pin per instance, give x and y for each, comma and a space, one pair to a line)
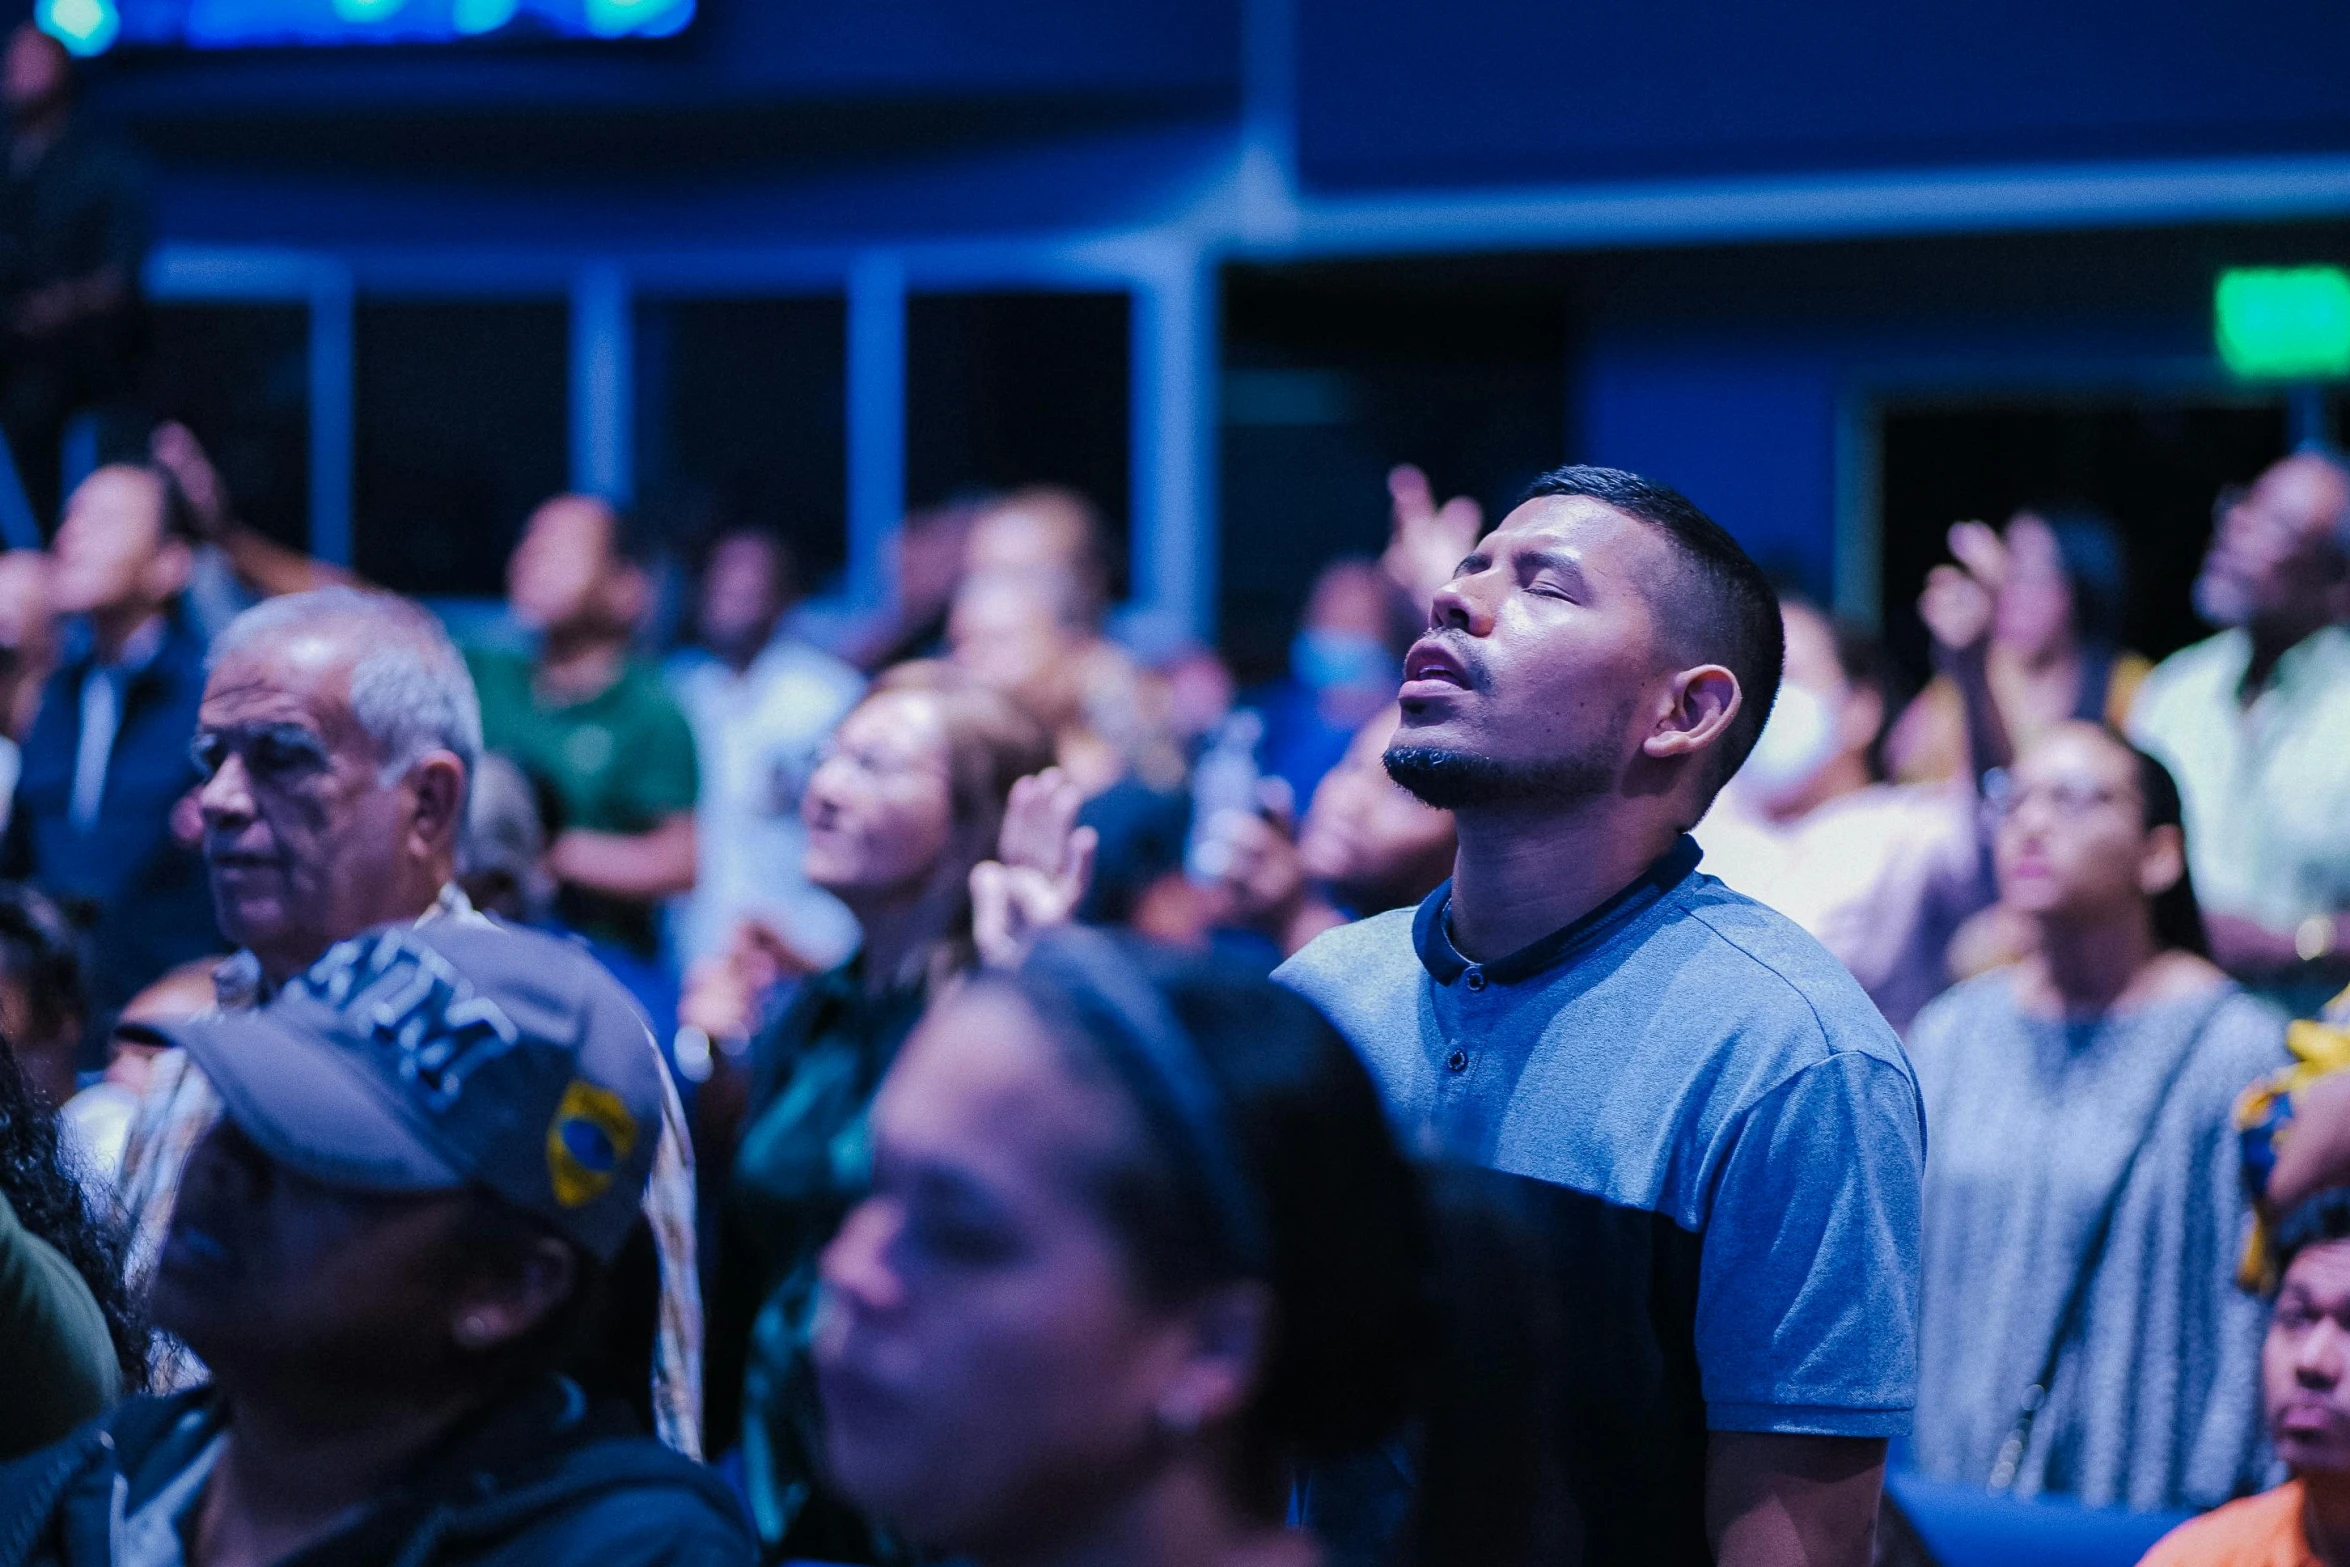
147, 896
541, 1480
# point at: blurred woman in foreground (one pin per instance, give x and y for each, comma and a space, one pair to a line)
1138, 1245
2082, 1332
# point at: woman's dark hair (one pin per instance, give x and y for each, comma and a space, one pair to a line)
2096, 567
1266, 1154
49, 1200
2178, 917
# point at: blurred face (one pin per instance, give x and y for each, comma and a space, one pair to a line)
108, 542
2071, 842
1034, 533
37, 73
2035, 608
742, 593
2303, 1361
879, 808
267, 1271
24, 600
2274, 556
1543, 666
303, 838
987, 1368
559, 574
1366, 837
1009, 632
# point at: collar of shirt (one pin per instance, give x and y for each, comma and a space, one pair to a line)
1432, 933
238, 985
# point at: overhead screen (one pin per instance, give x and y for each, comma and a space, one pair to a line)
93, 26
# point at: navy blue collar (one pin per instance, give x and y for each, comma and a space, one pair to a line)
1432, 935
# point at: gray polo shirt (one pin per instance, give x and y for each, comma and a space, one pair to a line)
1687, 1053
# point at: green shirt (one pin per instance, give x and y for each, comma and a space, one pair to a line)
57, 1365
621, 761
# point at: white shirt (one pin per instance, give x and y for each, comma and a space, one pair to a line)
1882, 877
2266, 787
757, 736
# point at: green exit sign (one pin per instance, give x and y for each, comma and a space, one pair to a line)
2284, 323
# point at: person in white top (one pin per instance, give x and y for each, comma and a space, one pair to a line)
1881, 874
761, 703
2255, 725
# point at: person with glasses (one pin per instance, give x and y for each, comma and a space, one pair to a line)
2082, 1333
2255, 724
910, 794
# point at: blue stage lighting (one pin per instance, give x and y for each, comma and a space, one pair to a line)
612, 18
85, 27
367, 10
483, 16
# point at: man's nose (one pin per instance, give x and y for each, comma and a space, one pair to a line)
2319, 1364
227, 796
1463, 605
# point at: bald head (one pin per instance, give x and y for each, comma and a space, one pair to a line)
2279, 562
570, 574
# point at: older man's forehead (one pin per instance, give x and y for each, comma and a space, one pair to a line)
304, 677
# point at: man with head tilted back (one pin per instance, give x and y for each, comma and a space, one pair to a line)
1710, 1124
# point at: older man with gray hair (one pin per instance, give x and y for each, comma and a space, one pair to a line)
336, 737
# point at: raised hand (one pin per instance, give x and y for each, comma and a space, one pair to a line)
1426, 541
1959, 601
1043, 866
177, 452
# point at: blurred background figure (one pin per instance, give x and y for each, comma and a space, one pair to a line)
1883, 874
41, 998
106, 760
761, 703
1139, 1241
2255, 724
595, 724
100, 1117
2083, 1206
73, 237
1366, 846
28, 650
1344, 665
235, 566
72, 1338
2048, 592
911, 794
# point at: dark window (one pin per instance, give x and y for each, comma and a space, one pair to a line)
239, 376
1019, 388
463, 418
742, 417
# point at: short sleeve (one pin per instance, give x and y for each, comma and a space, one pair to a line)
1807, 1311
664, 776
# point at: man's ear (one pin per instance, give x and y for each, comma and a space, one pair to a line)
1703, 701
498, 1307
439, 782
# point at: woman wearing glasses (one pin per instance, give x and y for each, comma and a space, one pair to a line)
912, 793
2083, 1214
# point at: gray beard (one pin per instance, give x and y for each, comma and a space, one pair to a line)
1459, 780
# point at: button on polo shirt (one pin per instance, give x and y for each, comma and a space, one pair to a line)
1681, 1052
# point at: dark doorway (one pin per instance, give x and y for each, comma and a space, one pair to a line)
2153, 466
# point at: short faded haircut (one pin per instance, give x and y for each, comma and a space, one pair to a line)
1722, 607
410, 689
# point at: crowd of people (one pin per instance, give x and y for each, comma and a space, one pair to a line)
1580, 1069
